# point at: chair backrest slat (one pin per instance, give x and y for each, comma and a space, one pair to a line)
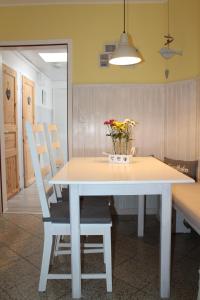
52, 127
38, 127
41, 149
59, 163
56, 145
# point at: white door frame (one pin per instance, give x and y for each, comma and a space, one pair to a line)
11, 45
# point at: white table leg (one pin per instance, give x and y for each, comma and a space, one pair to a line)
75, 241
141, 215
198, 296
165, 241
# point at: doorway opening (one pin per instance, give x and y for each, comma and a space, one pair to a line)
36, 87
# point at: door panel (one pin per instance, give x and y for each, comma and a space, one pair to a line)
28, 113
10, 130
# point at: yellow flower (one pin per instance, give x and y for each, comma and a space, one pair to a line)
116, 123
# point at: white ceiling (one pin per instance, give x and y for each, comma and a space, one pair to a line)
48, 2
55, 71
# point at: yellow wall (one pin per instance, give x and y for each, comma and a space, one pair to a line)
91, 26
185, 25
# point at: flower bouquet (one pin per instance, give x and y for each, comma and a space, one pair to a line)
121, 134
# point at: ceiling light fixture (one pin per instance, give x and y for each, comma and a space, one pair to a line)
54, 57
125, 54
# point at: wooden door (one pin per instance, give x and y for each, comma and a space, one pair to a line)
28, 114
10, 130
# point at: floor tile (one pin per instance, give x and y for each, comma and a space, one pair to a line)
14, 273
135, 262
136, 273
26, 247
145, 296
7, 256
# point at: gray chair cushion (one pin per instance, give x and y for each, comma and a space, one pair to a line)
189, 168
94, 201
88, 214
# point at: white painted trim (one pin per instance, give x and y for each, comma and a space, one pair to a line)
137, 84
2, 144
120, 84
7, 3
70, 102
59, 84
12, 45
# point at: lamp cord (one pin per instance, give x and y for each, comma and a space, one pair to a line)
169, 38
124, 17
168, 16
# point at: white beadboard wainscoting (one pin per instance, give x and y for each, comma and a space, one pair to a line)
167, 116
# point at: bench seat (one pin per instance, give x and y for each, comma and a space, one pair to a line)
186, 198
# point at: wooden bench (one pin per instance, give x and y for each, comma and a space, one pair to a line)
186, 200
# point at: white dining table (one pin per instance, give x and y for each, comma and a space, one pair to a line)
97, 176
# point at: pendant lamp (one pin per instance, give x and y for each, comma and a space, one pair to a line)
125, 54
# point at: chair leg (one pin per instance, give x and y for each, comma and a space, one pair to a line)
141, 208
57, 241
108, 258
53, 250
104, 250
198, 297
48, 238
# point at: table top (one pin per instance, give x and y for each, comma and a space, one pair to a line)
97, 170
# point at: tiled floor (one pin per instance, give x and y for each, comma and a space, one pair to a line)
135, 262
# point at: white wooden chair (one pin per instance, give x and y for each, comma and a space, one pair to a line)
56, 215
55, 151
56, 157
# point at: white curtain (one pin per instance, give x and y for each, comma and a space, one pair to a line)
93, 104
167, 115
181, 120
168, 121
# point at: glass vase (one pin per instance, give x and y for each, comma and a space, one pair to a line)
122, 147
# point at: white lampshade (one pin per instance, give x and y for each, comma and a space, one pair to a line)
125, 54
